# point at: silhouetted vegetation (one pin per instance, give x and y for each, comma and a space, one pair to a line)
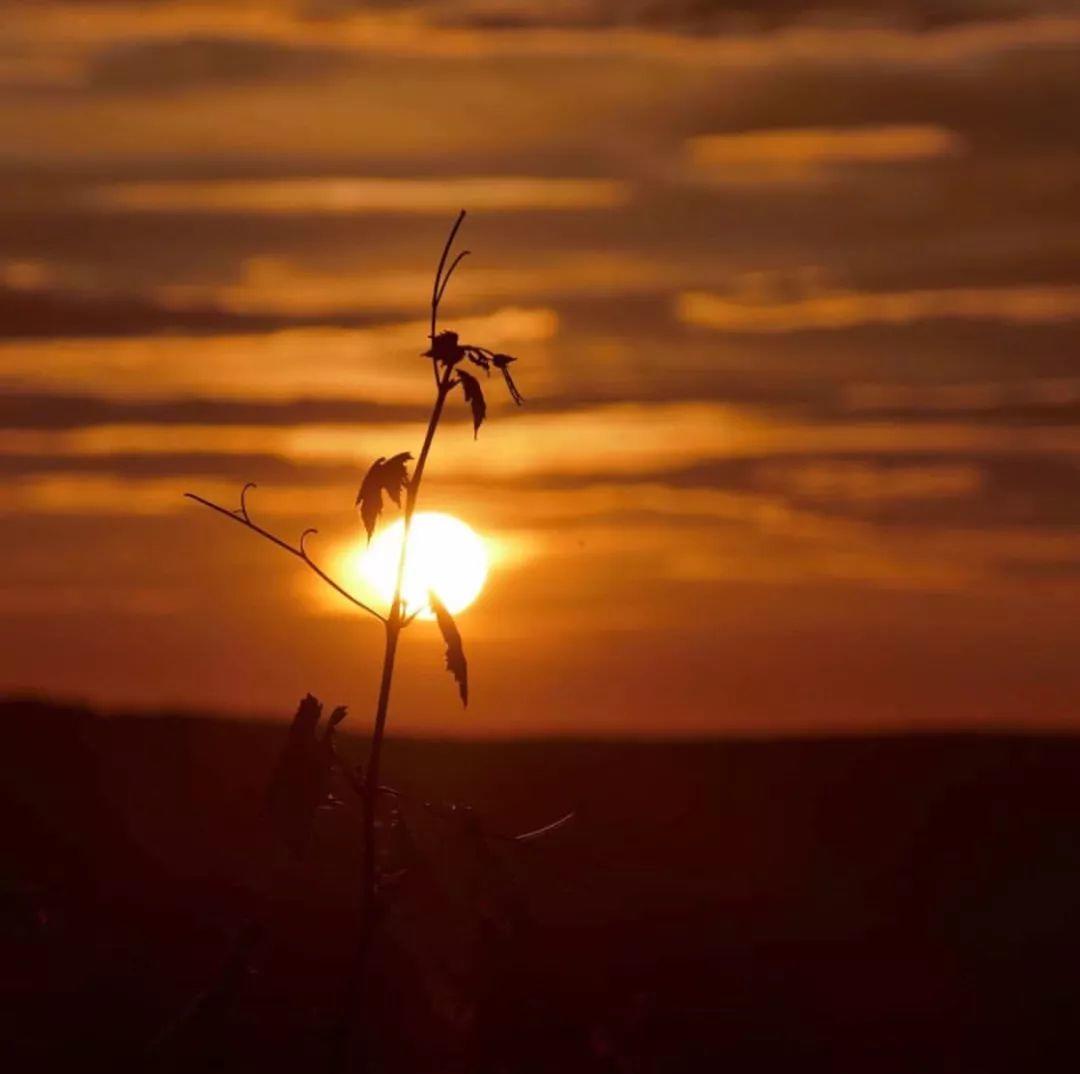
883, 905
390, 850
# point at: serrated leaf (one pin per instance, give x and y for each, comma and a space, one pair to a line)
475, 398
394, 475
369, 498
456, 663
385, 475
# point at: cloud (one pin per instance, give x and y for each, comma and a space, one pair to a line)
712, 17
77, 493
40, 312
961, 491
41, 410
623, 439
1019, 305
348, 195
689, 31
919, 536
377, 364
735, 38
853, 481
1041, 394
166, 65
813, 153
276, 285
393, 68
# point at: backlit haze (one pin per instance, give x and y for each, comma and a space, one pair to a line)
795, 294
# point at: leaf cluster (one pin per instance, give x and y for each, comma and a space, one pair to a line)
448, 352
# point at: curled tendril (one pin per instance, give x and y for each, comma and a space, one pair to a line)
243, 512
241, 515
303, 538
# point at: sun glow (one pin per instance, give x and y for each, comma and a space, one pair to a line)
444, 555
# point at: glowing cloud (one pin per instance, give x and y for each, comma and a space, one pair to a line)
350, 194
1035, 304
816, 146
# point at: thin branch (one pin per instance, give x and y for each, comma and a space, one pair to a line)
299, 551
437, 288
359, 787
450, 272
538, 833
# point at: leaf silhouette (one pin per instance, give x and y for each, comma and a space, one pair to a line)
394, 475
456, 663
385, 475
475, 398
369, 498
502, 363
300, 780
479, 356
446, 349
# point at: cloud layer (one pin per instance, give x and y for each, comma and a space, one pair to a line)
795, 298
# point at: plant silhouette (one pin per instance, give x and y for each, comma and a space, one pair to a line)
301, 781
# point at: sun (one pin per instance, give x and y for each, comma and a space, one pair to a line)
444, 555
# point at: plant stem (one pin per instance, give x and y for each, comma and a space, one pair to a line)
394, 624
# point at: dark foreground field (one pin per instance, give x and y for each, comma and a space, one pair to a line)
878, 904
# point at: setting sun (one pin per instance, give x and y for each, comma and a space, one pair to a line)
444, 554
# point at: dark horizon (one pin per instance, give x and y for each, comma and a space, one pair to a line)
763, 903
357, 727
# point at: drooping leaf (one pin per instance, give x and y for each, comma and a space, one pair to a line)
455, 653
369, 498
385, 475
502, 363
479, 356
475, 398
446, 349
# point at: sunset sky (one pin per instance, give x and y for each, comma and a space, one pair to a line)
795, 293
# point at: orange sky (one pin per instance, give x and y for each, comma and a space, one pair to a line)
796, 301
